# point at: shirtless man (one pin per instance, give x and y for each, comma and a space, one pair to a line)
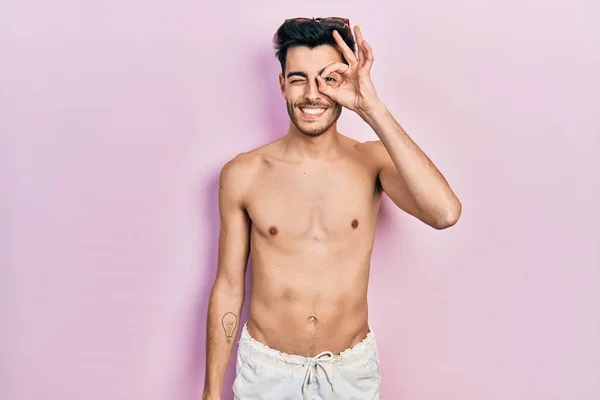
305, 208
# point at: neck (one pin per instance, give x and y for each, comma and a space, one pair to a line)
303, 146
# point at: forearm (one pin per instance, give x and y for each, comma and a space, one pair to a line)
224, 309
424, 181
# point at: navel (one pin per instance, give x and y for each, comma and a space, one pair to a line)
273, 231
312, 319
355, 223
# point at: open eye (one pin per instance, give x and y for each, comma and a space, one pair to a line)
333, 78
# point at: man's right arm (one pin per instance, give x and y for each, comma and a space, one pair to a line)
227, 295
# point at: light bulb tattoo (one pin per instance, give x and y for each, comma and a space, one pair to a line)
229, 324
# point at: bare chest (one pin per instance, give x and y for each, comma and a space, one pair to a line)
297, 203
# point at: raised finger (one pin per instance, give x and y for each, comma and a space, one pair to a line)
346, 51
362, 55
369, 55
358, 34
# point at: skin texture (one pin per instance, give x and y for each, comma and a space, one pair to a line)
311, 240
305, 208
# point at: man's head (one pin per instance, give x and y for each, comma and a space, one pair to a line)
304, 48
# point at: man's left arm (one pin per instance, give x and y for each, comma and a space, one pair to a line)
406, 174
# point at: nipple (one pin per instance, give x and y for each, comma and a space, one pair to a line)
273, 231
355, 223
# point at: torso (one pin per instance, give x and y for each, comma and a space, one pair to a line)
312, 233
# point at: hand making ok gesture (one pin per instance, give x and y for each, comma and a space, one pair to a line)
354, 89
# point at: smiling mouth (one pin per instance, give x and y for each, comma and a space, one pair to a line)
312, 111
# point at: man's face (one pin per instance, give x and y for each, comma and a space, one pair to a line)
311, 111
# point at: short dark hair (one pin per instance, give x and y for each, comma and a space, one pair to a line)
310, 33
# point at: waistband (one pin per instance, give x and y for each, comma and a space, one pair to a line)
359, 351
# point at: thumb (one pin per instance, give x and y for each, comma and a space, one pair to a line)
325, 88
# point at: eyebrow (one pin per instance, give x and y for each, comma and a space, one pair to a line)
301, 74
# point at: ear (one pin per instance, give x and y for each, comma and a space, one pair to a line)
282, 83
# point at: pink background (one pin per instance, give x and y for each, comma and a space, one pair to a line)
116, 117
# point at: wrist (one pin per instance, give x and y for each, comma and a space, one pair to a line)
211, 393
211, 396
373, 111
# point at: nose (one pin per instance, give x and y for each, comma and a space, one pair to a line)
312, 90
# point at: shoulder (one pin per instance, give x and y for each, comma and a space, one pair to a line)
373, 152
371, 147
239, 173
241, 166
250, 162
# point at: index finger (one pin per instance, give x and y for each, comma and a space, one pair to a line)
346, 51
334, 67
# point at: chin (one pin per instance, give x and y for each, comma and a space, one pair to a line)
312, 133
313, 129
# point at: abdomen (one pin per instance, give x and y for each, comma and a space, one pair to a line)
304, 304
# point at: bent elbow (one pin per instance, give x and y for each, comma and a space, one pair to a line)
450, 217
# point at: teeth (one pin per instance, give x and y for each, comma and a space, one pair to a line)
313, 111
